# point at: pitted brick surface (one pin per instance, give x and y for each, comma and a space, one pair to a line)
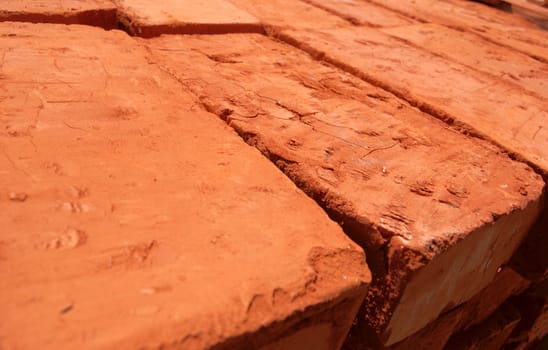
360, 12
282, 14
453, 92
497, 26
131, 218
134, 218
476, 53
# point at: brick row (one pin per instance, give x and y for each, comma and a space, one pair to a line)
453, 92
494, 25
476, 53
359, 12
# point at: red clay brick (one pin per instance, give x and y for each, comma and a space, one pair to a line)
363, 13
480, 54
101, 13
454, 12
131, 218
491, 108
500, 27
283, 14
437, 212
496, 110
148, 18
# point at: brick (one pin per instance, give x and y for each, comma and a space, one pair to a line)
494, 25
477, 53
296, 14
148, 18
376, 164
531, 42
132, 218
489, 335
101, 13
460, 12
363, 13
472, 100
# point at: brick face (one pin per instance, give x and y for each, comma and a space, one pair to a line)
496, 26
502, 63
363, 13
148, 18
296, 14
476, 103
100, 13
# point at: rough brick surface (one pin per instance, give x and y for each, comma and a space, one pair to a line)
131, 218
100, 13
500, 27
477, 53
149, 18
453, 92
360, 12
134, 218
376, 164
455, 12
284, 14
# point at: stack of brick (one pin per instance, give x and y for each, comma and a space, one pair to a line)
131, 219
492, 60
431, 157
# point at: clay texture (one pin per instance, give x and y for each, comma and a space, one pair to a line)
132, 218
324, 129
